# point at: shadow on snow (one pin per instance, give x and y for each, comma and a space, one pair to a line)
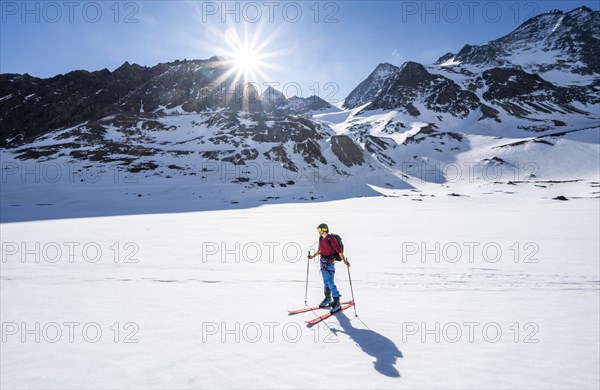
374, 344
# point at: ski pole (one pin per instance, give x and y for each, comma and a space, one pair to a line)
306, 291
351, 290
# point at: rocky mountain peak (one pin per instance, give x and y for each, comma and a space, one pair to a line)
367, 89
272, 98
551, 41
413, 73
384, 70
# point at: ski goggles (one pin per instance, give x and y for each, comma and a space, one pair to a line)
321, 230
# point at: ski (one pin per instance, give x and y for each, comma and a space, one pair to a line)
325, 316
304, 310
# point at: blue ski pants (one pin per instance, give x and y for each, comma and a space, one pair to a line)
328, 272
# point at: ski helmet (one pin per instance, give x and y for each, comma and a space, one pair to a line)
323, 227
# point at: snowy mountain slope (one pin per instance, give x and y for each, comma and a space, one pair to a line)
425, 150
552, 41
217, 159
506, 75
427, 116
30, 107
510, 90
199, 162
403, 128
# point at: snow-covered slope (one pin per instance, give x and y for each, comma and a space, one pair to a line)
217, 159
200, 300
548, 42
475, 124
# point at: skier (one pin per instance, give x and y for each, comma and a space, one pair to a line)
328, 247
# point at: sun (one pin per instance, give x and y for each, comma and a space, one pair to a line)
246, 54
246, 61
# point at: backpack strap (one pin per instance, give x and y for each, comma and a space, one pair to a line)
328, 238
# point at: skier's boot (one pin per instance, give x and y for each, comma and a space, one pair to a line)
327, 301
335, 306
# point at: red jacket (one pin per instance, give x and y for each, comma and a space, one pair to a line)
326, 250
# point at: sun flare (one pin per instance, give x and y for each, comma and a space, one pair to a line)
245, 56
246, 61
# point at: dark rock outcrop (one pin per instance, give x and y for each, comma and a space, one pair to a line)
346, 150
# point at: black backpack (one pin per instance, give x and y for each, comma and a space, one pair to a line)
336, 256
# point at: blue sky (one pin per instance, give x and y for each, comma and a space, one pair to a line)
324, 47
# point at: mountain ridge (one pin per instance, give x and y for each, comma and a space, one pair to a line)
396, 128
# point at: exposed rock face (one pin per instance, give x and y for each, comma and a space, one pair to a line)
368, 88
346, 150
413, 83
298, 105
30, 106
554, 41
